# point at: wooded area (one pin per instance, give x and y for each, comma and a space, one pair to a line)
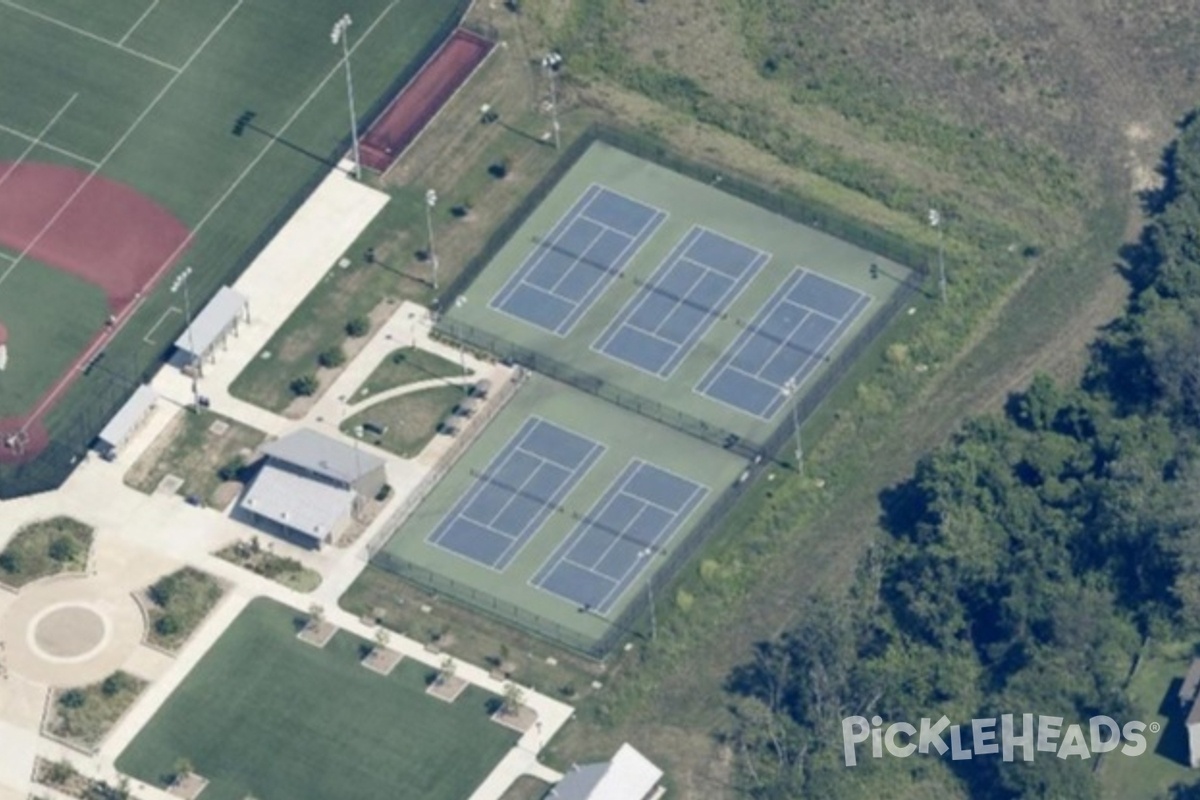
1026, 563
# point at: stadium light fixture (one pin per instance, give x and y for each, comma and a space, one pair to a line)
340, 35
551, 62
431, 199
182, 282
935, 220
788, 390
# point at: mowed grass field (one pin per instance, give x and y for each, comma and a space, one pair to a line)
266, 715
687, 203
510, 593
148, 93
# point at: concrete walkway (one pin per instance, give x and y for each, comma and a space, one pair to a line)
162, 533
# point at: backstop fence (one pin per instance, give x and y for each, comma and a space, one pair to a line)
758, 454
112, 379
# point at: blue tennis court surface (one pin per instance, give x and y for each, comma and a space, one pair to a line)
619, 537
515, 494
575, 263
692, 287
786, 341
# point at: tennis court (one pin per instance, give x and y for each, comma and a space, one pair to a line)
573, 265
564, 568
784, 344
613, 544
512, 497
695, 296
686, 294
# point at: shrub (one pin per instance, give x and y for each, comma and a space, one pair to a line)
498, 169
58, 772
167, 625
10, 563
304, 385
332, 357
358, 327
63, 549
72, 698
232, 469
115, 684
384, 493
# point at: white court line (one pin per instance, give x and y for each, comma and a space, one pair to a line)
34, 142
7, 256
132, 309
124, 137
139, 21
172, 310
26, 137
90, 35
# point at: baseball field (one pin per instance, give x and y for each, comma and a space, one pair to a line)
138, 137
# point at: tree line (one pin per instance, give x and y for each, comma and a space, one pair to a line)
1023, 565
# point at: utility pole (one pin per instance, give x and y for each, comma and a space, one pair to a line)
787, 391
182, 281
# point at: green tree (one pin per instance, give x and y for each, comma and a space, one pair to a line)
304, 385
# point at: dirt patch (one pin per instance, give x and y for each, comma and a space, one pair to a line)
316, 633
382, 660
447, 688
520, 719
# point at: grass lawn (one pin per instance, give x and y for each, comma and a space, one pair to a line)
180, 602
452, 156
265, 714
1152, 695
411, 419
287, 571
48, 547
195, 447
404, 366
85, 715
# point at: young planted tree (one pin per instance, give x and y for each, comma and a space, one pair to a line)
513, 697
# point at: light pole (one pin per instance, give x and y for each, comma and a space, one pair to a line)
646, 552
787, 391
431, 199
551, 63
459, 302
340, 35
935, 219
182, 282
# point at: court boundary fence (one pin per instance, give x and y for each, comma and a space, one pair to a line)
476, 426
111, 385
758, 454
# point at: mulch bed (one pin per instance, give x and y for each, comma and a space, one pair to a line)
317, 634
447, 689
189, 786
520, 720
382, 660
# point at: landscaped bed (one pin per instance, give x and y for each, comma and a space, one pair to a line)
177, 604
287, 571
47, 547
85, 715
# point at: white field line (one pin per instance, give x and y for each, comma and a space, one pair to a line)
137, 22
34, 142
134, 306
26, 137
124, 137
154, 327
90, 35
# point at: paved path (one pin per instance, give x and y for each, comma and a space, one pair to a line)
139, 537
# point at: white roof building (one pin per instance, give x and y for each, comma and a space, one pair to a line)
127, 420
210, 327
317, 510
628, 776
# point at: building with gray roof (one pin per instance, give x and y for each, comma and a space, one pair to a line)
211, 326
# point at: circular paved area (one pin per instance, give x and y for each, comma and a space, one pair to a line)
70, 631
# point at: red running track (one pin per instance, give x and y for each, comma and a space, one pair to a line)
418, 102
